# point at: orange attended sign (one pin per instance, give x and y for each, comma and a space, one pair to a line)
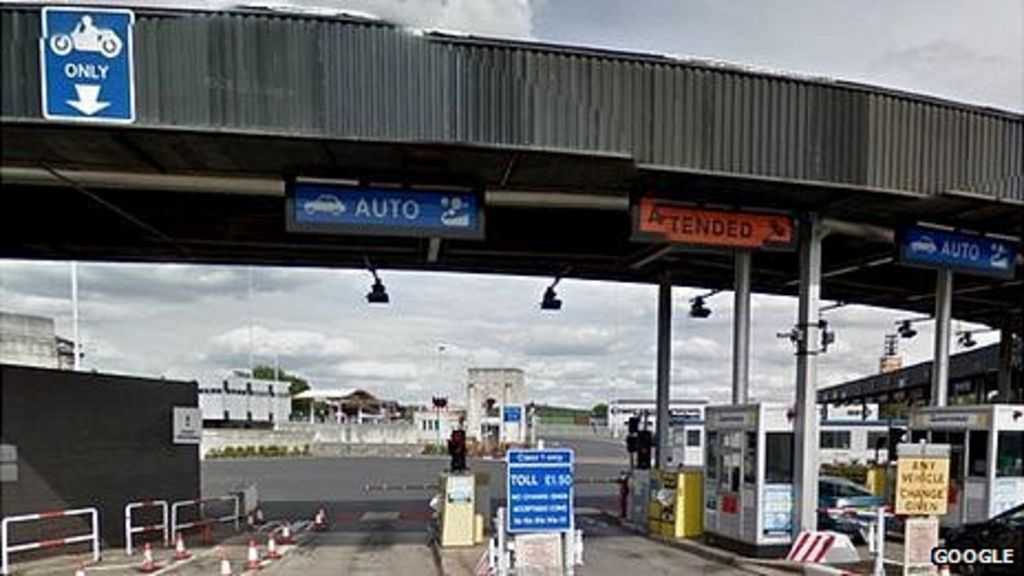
663, 221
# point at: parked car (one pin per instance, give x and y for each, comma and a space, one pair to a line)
836, 498
997, 533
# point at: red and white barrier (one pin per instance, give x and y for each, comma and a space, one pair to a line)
6, 549
816, 547
177, 526
130, 530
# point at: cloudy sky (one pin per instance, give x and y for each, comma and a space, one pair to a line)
200, 322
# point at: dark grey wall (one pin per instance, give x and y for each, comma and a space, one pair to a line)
336, 78
93, 440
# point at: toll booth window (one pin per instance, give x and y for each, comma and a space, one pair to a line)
1010, 454
693, 438
877, 440
778, 457
750, 459
712, 456
977, 452
732, 459
834, 440
956, 441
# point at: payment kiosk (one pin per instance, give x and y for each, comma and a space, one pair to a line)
986, 466
748, 487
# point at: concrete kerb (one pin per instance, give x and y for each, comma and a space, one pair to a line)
752, 565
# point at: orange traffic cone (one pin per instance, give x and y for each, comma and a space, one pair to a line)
80, 571
180, 553
259, 516
225, 564
253, 560
272, 553
148, 565
320, 522
286, 533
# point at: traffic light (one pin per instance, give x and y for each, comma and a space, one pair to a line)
644, 445
457, 450
896, 436
633, 424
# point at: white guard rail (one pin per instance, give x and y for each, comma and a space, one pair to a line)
130, 530
177, 526
6, 549
872, 524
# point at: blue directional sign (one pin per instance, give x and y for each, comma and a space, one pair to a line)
87, 71
540, 490
512, 414
330, 208
957, 251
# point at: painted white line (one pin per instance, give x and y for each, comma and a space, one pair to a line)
377, 516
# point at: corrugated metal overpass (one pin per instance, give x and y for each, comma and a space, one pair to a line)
231, 103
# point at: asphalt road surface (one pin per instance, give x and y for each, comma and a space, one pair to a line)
386, 532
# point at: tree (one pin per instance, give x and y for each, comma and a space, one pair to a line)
296, 384
600, 411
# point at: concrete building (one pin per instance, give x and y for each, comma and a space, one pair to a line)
32, 341
621, 410
488, 391
435, 426
240, 401
351, 405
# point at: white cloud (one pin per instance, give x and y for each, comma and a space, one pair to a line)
265, 342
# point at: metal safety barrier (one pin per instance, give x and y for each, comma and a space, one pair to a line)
130, 530
177, 526
872, 524
7, 549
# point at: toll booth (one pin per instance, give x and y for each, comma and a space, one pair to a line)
986, 461
687, 438
748, 484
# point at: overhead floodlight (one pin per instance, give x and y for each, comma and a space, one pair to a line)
966, 340
551, 300
906, 329
378, 294
698, 309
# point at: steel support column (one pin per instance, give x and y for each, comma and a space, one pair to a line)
943, 323
1005, 375
741, 328
664, 366
805, 425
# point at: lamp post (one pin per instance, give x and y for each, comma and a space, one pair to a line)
440, 401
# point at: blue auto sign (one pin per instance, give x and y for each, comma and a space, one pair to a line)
331, 208
959, 252
86, 64
512, 414
540, 490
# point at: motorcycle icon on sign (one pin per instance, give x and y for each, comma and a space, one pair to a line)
87, 37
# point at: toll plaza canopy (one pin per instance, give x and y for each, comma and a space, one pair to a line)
559, 142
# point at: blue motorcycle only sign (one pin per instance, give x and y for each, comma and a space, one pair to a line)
87, 70
959, 252
330, 208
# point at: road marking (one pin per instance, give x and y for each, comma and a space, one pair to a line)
377, 516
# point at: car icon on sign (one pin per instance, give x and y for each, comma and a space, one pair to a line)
324, 204
924, 244
87, 37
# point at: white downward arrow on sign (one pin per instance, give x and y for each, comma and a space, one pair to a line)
88, 99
